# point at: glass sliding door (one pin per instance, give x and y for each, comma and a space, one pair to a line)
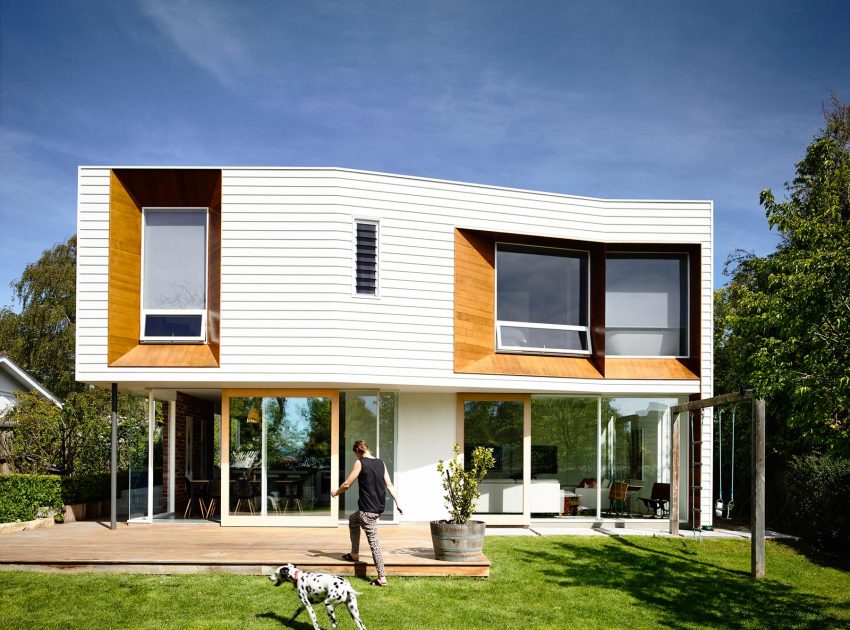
564, 455
143, 434
500, 424
370, 416
298, 455
635, 440
280, 456
246, 447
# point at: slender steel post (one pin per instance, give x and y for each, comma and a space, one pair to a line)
114, 466
758, 481
674, 475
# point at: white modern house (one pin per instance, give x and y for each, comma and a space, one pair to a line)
275, 315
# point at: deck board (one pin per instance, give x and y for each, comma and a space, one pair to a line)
90, 546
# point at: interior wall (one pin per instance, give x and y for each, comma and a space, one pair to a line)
427, 429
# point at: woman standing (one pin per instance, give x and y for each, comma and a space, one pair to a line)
373, 481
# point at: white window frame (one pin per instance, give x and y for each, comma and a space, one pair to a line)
686, 297
535, 350
377, 224
202, 312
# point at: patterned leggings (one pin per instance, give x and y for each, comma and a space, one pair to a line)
366, 520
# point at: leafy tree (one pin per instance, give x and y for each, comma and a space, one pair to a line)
41, 337
76, 438
35, 443
783, 322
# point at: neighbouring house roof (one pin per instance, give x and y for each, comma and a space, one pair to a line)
17, 374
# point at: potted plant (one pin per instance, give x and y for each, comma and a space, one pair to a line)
458, 538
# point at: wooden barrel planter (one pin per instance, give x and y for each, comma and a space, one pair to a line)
461, 543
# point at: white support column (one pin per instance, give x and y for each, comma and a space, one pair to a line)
172, 454
151, 427
114, 459
526, 456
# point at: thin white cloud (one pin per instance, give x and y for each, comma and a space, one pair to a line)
205, 32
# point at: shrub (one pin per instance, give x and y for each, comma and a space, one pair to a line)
461, 485
84, 488
821, 486
22, 496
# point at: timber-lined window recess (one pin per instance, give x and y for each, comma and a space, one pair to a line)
646, 305
366, 257
174, 275
541, 300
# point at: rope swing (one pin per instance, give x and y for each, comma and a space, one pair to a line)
731, 505
718, 505
722, 510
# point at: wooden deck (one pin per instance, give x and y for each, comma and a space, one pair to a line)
91, 547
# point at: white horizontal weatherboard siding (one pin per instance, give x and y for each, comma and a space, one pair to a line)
287, 311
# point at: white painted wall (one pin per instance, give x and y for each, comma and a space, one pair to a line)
427, 429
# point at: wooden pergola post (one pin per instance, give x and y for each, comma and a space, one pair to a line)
758, 482
757, 464
674, 474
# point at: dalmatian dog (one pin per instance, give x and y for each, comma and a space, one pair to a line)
313, 588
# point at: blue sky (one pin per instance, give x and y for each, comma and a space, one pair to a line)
609, 99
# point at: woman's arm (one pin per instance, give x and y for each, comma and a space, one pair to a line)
355, 472
391, 489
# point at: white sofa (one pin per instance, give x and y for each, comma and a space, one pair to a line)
588, 497
505, 496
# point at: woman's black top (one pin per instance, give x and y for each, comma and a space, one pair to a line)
373, 490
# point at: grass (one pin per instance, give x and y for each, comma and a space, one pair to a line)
552, 582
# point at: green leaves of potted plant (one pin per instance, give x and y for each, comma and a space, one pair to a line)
459, 538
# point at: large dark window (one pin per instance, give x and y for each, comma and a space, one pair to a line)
646, 305
541, 299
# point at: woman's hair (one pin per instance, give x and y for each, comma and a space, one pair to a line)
360, 446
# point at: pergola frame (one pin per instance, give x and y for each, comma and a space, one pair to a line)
756, 464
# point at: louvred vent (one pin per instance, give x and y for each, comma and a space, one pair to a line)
366, 281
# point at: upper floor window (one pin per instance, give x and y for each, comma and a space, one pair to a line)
174, 274
646, 305
366, 258
541, 300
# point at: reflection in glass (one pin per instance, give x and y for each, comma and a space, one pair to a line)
498, 425
636, 446
246, 443
175, 258
298, 439
646, 305
546, 288
563, 451
370, 416
387, 420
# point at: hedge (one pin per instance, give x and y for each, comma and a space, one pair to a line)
22, 496
821, 487
84, 488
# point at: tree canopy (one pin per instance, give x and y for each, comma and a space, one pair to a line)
783, 321
41, 337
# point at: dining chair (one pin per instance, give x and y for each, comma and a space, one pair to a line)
244, 492
213, 496
617, 498
194, 494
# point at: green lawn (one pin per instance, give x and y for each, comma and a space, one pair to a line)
552, 582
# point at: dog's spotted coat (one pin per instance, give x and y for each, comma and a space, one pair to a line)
314, 588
